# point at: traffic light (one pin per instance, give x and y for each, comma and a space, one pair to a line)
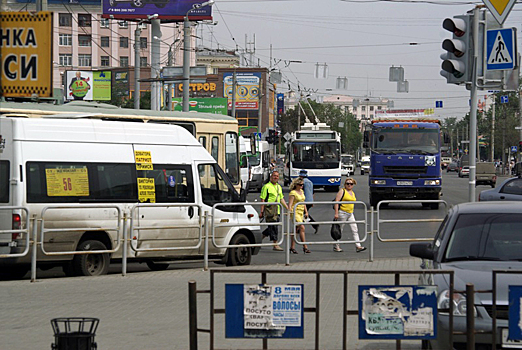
457, 61
271, 136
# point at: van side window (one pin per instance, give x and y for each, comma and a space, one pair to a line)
4, 181
75, 182
214, 151
173, 183
215, 187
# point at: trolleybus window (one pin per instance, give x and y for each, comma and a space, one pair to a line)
231, 156
214, 151
4, 181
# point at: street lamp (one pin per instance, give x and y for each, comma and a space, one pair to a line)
186, 53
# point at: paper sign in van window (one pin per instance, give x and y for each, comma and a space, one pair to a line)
67, 182
146, 190
143, 160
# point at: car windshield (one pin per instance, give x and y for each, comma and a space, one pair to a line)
486, 237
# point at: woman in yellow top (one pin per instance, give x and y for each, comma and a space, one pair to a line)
297, 196
345, 213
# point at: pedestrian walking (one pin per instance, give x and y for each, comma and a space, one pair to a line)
308, 189
272, 192
344, 212
297, 196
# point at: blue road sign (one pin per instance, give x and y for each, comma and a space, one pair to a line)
504, 99
515, 295
500, 49
438, 104
513, 149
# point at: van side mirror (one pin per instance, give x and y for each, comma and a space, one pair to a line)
421, 250
366, 139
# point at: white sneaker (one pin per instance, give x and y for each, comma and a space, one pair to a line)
337, 248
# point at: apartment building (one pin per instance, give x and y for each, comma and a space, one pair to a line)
363, 108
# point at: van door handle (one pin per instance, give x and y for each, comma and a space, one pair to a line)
191, 212
502, 197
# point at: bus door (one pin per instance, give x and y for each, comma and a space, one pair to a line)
175, 226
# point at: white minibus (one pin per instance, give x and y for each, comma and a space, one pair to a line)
260, 166
81, 175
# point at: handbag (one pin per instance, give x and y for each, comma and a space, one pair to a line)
335, 232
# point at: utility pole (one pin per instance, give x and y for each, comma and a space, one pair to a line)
155, 96
186, 63
137, 34
520, 125
473, 112
169, 85
234, 83
493, 129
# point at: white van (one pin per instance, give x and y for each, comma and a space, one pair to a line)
114, 165
260, 166
244, 161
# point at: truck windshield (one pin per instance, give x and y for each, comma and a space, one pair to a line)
408, 140
315, 155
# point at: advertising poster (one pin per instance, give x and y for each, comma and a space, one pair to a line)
397, 312
26, 65
205, 105
247, 89
174, 10
88, 85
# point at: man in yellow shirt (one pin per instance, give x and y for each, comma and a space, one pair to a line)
270, 193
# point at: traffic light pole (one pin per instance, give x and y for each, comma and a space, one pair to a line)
473, 110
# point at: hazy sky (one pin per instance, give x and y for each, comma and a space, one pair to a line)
358, 39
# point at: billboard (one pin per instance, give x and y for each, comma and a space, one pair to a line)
205, 105
247, 90
88, 85
173, 10
25, 51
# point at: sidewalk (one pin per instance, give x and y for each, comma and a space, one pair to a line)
149, 310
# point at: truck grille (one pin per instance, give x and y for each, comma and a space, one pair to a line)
405, 169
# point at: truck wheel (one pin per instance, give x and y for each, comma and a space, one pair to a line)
154, 266
374, 200
91, 264
239, 256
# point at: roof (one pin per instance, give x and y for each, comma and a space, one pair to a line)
489, 207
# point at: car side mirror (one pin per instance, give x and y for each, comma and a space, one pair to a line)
421, 250
243, 194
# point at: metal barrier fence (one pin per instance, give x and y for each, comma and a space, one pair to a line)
316, 309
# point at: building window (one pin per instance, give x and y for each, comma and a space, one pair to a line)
65, 40
65, 59
143, 43
143, 61
363, 108
65, 19
371, 108
123, 24
104, 23
104, 41
84, 40
84, 60
124, 42
84, 20
124, 61
142, 25
379, 108
363, 116
104, 61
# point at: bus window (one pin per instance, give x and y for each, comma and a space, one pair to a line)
231, 157
203, 141
4, 181
214, 151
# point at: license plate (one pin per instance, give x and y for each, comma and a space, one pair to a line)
404, 183
508, 343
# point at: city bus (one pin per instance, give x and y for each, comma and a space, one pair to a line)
216, 132
316, 149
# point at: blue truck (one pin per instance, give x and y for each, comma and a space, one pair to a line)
405, 159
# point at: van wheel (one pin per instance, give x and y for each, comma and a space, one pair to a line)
91, 264
138, 3
154, 266
239, 256
362, 172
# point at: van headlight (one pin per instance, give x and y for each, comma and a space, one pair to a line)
378, 182
459, 303
431, 182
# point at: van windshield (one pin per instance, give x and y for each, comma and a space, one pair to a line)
254, 160
4, 181
215, 185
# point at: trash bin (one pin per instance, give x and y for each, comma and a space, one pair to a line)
74, 333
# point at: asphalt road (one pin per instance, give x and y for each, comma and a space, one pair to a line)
455, 190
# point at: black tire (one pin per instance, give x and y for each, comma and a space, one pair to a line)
426, 345
154, 266
374, 200
434, 206
91, 264
68, 269
239, 256
362, 172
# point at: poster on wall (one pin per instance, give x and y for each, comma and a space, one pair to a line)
173, 10
207, 105
247, 89
88, 85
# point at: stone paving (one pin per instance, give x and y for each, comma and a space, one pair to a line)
149, 310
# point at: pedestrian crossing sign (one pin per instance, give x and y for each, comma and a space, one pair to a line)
501, 49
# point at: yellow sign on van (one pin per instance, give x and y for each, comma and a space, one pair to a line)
143, 160
67, 182
146, 190
25, 50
